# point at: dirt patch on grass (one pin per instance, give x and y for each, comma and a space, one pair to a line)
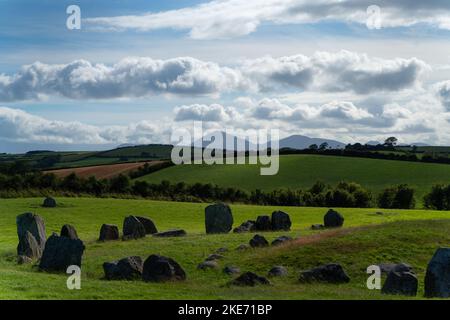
102, 172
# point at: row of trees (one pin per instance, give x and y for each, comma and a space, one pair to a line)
320, 194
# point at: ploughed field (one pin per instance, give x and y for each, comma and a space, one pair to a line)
302, 171
106, 171
367, 238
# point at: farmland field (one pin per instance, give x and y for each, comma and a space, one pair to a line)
367, 238
103, 171
302, 171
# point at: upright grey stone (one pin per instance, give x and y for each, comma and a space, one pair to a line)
263, 223
60, 253
34, 224
133, 228
148, 224
437, 278
281, 221
49, 203
218, 218
333, 219
29, 247
69, 231
109, 232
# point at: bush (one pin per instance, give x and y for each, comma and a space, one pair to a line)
398, 197
438, 198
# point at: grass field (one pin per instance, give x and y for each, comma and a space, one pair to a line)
368, 238
302, 171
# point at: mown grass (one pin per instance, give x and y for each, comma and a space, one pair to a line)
302, 171
396, 236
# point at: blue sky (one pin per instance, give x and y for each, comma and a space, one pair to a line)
235, 71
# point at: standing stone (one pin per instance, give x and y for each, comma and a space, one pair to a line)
28, 247
34, 224
281, 221
218, 218
258, 242
129, 268
159, 269
331, 273
69, 231
60, 253
133, 228
148, 224
437, 278
108, 232
263, 223
317, 227
333, 219
49, 203
401, 283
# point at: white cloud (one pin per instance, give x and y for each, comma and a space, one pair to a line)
130, 77
335, 72
231, 18
207, 113
19, 126
343, 71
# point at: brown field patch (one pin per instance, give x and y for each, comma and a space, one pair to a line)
106, 171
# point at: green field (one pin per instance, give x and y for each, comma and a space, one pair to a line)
302, 171
368, 238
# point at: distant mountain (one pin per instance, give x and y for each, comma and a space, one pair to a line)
293, 142
303, 142
242, 144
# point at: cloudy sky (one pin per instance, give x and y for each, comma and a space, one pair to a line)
137, 69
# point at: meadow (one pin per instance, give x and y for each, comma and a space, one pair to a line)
302, 171
367, 238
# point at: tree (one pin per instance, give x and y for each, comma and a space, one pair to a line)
323, 146
391, 142
313, 147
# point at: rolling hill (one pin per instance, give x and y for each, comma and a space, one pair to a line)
301, 171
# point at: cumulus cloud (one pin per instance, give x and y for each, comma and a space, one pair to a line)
19, 126
208, 113
335, 72
130, 77
140, 77
231, 18
278, 114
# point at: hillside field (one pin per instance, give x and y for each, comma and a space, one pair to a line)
302, 171
367, 238
103, 171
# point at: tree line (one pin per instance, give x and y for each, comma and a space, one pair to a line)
344, 194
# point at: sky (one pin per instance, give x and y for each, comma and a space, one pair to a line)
349, 70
